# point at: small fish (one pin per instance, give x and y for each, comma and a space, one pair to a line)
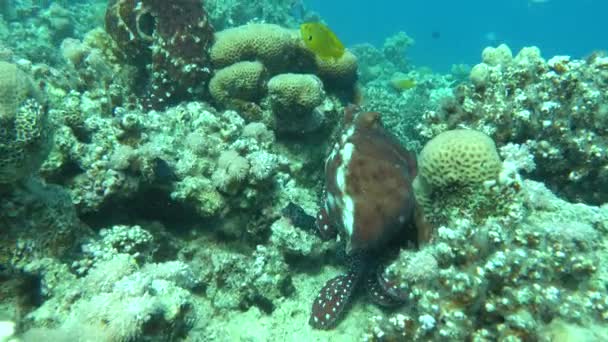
321, 40
162, 171
403, 83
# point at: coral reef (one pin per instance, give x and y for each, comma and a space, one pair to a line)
237, 281
289, 76
34, 29
116, 301
173, 201
38, 221
556, 107
384, 62
504, 279
123, 156
401, 109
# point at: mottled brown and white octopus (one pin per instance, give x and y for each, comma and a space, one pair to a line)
369, 202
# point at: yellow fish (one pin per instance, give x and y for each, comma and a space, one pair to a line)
321, 40
403, 83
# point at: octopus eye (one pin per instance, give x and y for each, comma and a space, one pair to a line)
309, 38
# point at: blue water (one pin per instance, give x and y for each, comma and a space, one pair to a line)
565, 27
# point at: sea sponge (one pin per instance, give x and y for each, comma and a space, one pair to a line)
340, 72
275, 46
25, 131
242, 81
459, 157
294, 98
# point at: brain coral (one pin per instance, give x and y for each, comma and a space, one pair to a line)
459, 157
242, 81
338, 72
456, 170
276, 47
293, 98
246, 55
281, 50
24, 127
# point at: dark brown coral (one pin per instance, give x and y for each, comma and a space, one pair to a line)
168, 41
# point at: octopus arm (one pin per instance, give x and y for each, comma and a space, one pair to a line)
325, 229
379, 294
331, 303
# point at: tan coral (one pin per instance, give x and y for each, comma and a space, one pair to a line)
240, 81
459, 157
275, 46
341, 72
294, 98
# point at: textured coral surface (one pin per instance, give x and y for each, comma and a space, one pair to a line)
162, 164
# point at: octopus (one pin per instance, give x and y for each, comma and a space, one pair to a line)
370, 204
